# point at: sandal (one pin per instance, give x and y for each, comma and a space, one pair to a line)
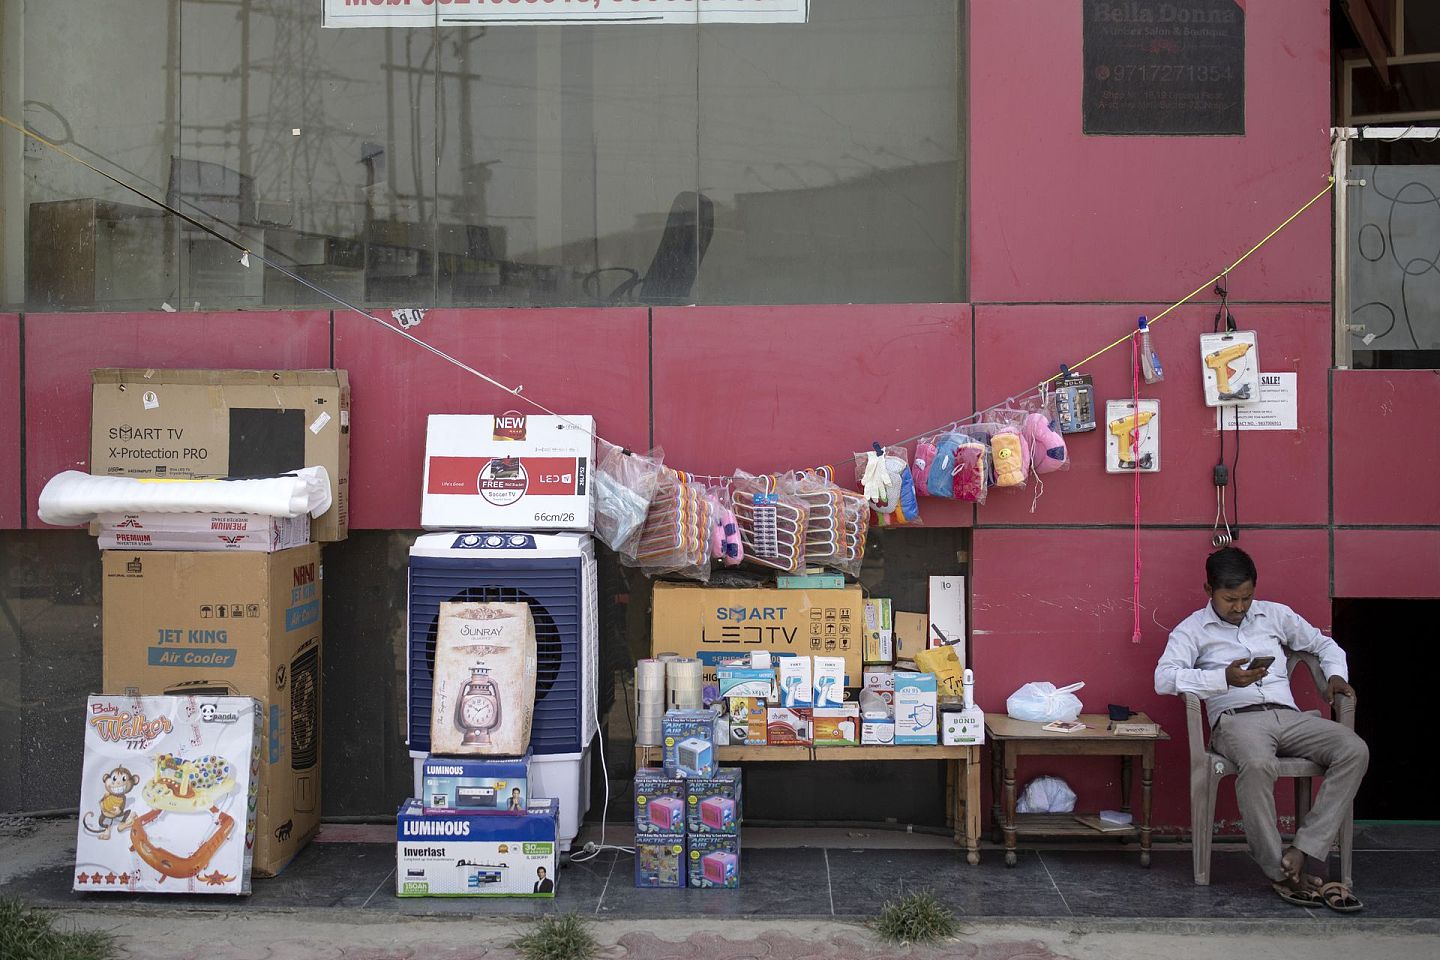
1301, 898
1338, 897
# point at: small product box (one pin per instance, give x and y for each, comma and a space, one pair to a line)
788, 726
659, 802
688, 740
746, 682
712, 804
714, 859
916, 721
747, 721
878, 642
881, 682
797, 684
963, 728
660, 860
837, 726
947, 612
829, 683
470, 785
877, 733
241, 532
444, 855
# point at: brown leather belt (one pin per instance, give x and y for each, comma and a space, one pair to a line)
1257, 707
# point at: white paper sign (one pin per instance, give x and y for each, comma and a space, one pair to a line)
1277, 410
432, 13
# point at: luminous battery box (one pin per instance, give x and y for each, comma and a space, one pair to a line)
659, 802
449, 855
470, 785
508, 472
712, 804
660, 860
714, 859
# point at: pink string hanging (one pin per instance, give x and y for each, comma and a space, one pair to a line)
1135, 446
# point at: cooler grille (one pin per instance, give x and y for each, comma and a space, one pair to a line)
553, 589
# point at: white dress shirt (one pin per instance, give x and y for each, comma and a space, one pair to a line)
1203, 645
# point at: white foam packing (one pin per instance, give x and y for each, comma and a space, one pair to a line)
73, 497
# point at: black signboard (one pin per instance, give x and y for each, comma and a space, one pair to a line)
1165, 67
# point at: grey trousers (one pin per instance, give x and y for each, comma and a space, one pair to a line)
1253, 741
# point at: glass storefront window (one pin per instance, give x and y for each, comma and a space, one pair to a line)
488, 165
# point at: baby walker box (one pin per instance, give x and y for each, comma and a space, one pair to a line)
712, 804
181, 424
168, 795
511, 472
714, 859
444, 855
246, 624
466, 785
660, 860
659, 803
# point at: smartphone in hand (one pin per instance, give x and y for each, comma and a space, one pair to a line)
1260, 663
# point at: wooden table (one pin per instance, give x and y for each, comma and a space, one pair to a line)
1012, 739
962, 775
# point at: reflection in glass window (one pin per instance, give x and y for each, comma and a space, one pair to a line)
500, 165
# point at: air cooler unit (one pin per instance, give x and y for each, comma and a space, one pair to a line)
555, 574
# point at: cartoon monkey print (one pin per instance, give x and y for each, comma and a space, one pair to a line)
117, 783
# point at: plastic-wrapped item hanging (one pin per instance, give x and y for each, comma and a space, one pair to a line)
1009, 453
772, 524
625, 483
885, 476
1044, 440
676, 536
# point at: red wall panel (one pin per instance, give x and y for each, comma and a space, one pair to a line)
12, 504
62, 348
1056, 215
1387, 563
1056, 605
1386, 410
574, 361
776, 388
1282, 474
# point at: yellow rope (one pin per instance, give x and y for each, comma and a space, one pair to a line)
1204, 286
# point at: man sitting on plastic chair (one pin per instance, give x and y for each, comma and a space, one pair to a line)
1212, 654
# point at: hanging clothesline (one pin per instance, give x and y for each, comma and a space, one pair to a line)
246, 254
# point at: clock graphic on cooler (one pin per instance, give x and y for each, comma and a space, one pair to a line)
477, 709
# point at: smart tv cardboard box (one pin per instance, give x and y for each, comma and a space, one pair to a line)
186, 424
699, 621
244, 624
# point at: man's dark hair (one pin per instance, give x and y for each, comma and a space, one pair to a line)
1229, 567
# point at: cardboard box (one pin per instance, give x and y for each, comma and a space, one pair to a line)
916, 721
240, 532
745, 682
881, 682
747, 720
787, 726
240, 623
836, 726
879, 640
687, 739
911, 632
962, 728
225, 423
712, 804
659, 803
660, 860
444, 855
714, 859
947, 612
508, 472
829, 681
797, 681
154, 770
691, 619
877, 733
466, 785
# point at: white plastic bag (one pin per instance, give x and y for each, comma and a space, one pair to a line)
1042, 702
1046, 795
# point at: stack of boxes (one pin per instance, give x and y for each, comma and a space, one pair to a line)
215, 605
687, 814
